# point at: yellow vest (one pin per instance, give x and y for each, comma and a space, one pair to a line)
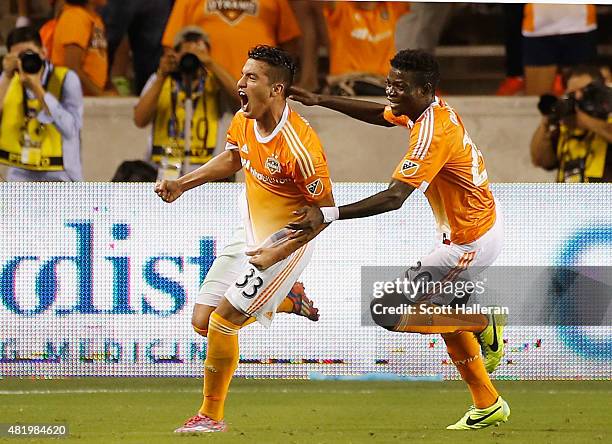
13, 122
203, 126
582, 155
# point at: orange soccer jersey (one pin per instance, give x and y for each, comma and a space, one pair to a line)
283, 171
361, 40
77, 25
234, 27
443, 162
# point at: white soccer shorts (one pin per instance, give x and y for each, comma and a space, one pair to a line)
454, 262
252, 292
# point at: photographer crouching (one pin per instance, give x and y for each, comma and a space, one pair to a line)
575, 135
42, 113
184, 101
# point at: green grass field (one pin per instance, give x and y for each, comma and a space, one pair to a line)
270, 411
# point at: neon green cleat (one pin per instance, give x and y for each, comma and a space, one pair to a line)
491, 341
476, 419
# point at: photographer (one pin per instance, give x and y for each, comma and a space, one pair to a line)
188, 82
575, 134
42, 113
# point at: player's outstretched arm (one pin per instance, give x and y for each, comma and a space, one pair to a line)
263, 258
312, 218
219, 167
366, 111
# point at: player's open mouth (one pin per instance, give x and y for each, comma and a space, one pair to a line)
244, 100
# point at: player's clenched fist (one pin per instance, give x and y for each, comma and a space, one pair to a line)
168, 190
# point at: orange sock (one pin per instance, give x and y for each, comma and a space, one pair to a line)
442, 324
200, 331
464, 351
220, 364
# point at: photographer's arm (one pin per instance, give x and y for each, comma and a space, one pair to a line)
66, 115
542, 151
600, 127
226, 81
5, 81
145, 109
9, 67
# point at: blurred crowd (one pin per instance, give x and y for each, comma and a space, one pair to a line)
183, 58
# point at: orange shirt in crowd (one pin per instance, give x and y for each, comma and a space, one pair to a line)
443, 162
234, 31
283, 171
362, 40
77, 25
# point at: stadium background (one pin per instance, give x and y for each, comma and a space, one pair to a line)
127, 228
109, 281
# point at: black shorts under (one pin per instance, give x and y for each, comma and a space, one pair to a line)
560, 50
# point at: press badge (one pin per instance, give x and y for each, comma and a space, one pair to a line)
31, 153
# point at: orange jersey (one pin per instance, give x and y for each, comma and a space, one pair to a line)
443, 162
79, 26
362, 40
283, 172
234, 27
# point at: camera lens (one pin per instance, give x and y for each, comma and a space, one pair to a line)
189, 64
30, 61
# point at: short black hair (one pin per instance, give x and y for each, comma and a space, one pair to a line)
192, 37
282, 63
422, 65
21, 35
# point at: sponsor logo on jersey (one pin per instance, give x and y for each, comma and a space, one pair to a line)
315, 187
409, 168
246, 164
273, 165
232, 11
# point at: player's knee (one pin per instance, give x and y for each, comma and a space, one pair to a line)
386, 311
199, 329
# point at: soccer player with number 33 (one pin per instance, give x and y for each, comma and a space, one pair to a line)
285, 168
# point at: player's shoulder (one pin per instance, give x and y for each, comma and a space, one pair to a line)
446, 116
297, 131
440, 118
74, 15
298, 122
239, 120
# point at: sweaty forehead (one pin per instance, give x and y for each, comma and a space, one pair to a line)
255, 67
397, 76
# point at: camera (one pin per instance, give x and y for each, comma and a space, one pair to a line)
596, 102
188, 65
30, 61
